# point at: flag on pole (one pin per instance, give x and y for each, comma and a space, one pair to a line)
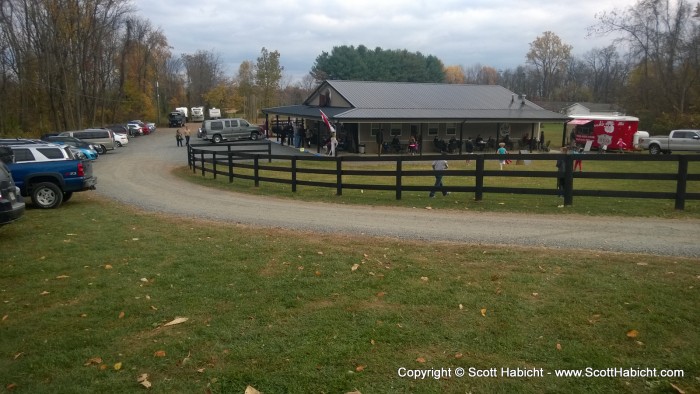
327, 122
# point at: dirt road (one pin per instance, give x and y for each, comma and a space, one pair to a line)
140, 175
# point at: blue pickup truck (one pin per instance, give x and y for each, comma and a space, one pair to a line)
49, 173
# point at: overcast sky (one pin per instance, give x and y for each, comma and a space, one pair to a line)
493, 33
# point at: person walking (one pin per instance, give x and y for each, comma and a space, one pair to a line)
469, 148
178, 137
187, 135
332, 145
502, 151
561, 173
439, 165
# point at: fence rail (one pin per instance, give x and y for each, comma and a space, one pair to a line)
242, 160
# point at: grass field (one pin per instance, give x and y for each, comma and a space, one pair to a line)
87, 291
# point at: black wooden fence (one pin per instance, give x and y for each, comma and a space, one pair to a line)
243, 160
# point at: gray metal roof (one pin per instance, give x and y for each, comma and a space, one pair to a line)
372, 101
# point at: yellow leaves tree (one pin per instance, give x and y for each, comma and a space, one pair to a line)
454, 75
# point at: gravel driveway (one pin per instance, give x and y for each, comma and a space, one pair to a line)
139, 175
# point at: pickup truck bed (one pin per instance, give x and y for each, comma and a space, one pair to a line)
51, 182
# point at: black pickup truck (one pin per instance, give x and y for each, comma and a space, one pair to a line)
49, 173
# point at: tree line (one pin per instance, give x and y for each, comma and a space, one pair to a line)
71, 64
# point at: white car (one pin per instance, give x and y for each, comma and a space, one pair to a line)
151, 126
121, 139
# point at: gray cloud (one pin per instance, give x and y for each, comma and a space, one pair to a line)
493, 32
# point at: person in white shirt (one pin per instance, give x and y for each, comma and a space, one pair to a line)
439, 165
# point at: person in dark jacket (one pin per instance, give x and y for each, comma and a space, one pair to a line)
380, 141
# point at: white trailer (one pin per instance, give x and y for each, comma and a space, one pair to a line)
214, 113
182, 110
197, 114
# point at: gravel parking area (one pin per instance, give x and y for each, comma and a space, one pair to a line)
139, 175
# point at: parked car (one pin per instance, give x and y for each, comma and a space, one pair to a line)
151, 127
121, 139
102, 138
142, 127
49, 173
677, 140
176, 119
228, 129
12, 206
89, 150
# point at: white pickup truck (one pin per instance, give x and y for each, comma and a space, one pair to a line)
677, 140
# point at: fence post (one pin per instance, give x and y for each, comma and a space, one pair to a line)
189, 156
681, 182
201, 161
294, 174
213, 162
269, 151
256, 169
569, 180
230, 168
479, 178
399, 170
338, 175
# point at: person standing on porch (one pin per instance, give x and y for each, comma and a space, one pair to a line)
380, 141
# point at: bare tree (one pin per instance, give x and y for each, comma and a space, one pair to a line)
203, 71
549, 56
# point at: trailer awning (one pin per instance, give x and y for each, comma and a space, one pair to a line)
580, 121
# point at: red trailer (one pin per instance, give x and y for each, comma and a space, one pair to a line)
612, 131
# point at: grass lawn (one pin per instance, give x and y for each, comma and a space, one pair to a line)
88, 288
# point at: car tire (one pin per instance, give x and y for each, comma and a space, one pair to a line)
119, 144
254, 136
67, 196
216, 139
654, 149
101, 149
47, 195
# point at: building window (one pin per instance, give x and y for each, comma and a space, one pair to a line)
433, 129
374, 129
451, 129
395, 130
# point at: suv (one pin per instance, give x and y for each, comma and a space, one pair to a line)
176, 119
228, 129
11, 205
101, 138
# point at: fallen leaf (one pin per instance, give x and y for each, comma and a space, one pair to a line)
11, 387
94, 360
461, 307
44, 292
159, 353
317, 273
355, 267
642, 263
117, 366
200, 370
420, 359
300, 268
558, 346
103, 367
145, 280
424, 278
154, 308
535, 294
428, 208
483, 312
5, 317
17, 355
458, 356
143, 380
373, 342
381, 294
632, 334
175, 321
251, 390
108, 266
353, 392
121, 314
321, 253
359, 368
62, 277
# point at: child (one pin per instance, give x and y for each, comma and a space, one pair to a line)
502, 151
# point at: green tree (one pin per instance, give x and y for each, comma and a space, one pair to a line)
350, 63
